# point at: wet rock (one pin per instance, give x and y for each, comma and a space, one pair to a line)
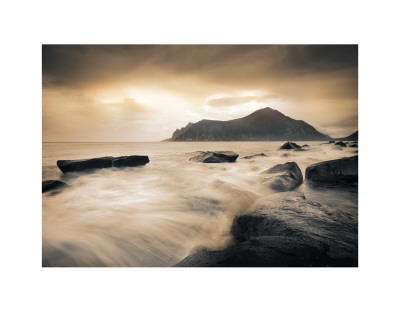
338, 171
52, 185
286, 230
353, 145
290, 145
215, 157
253, 156
283, 177
341, 144
100, 162
331, 142
130, 161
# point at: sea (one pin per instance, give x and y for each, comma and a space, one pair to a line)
156, 215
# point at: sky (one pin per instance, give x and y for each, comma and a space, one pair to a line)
132, 93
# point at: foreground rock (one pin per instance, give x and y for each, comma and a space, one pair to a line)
286, 230
215, 157
341, 144
290, 145
52, 185
343, 170
283, 177
101, 162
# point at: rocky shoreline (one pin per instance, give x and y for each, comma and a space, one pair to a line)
283, 229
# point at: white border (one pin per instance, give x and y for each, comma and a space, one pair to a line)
30, 292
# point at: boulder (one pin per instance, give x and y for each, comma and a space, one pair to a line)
341, 144
215, 157
343, 170
253, 156
290, 145
130, 161
286, 230
283, 177
100, 162
52, 185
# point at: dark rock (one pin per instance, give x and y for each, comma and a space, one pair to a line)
256, 155
100, 162
215, 157
341, 144
331, 142
130, 161
283, 177
344, 170
285, 230
305, 145
52, 185
290, 145
353, 145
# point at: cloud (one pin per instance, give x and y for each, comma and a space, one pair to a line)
231, 101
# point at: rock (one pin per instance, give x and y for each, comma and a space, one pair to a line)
51, 185
344, 170
130, 161
331, 142
290, 145
341, 144
256, 155
283, 177
100, 162
305, 145
353, 145
215, 157
286, 230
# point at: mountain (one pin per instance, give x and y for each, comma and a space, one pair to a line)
262, 125
352, 137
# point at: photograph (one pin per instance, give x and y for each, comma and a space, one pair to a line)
204, 156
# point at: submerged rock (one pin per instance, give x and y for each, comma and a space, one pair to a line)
286, 230
283, 177
343, 170
215, 157
256, 155
101, 162
52, 185
290, 145
341, 144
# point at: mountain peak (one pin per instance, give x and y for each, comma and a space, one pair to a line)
263, 124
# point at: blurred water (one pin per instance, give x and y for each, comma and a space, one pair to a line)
157, 214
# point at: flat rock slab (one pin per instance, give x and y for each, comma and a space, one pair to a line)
215, 157
101, 162
52, 185
338, 171
286, 230
283, 177
256, 155
290, 145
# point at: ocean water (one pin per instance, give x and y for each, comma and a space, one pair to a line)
155, 215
